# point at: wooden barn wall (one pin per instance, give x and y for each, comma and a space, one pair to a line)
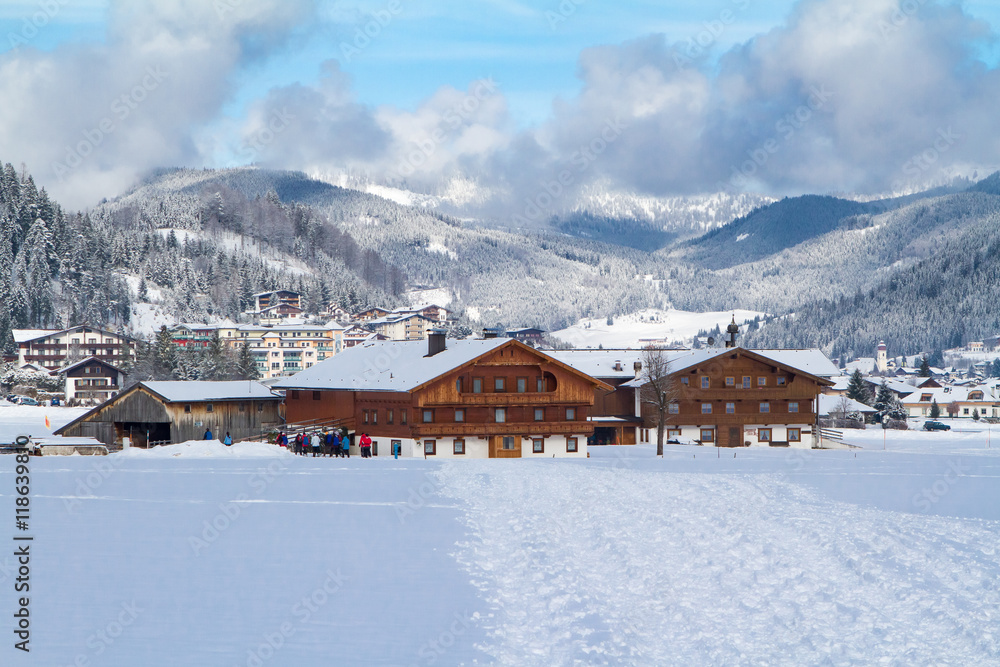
225, 416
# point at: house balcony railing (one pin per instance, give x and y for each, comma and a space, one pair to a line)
504, 398
472, 429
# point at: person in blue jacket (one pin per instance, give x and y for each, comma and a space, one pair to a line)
335, 444
208, 434
228, 440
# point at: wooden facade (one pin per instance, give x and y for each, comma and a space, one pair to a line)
733, 399
91, 380
144, 416
512, 391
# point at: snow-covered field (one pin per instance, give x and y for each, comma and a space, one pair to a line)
201, 555
651, 324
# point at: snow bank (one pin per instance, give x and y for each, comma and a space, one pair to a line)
208, 449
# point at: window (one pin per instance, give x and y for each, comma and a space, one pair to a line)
430, 447
209, 407
684, 381
243, 407
673, 408
781, 380
705, 382
459, 447
746, 381
730, 408
295, 393
276, 365
260, 407
402, 416
539, 414
765, 407
315, 395
540, 384
499, 384
571, 445
762, 382
537, 446
793, 406
375, 416
500, 415
730, 382
508, 442
458, 385
522, 385
460, 415
764, 435
187, 407
76, 341
477, 385
428, 416
570, 414
673, 433
706, 408
364, 416
708, 435
794, 435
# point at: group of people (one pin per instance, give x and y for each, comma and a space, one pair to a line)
227, 441
326, 443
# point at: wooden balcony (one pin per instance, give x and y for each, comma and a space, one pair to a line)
755, 394
508, 428
503, 399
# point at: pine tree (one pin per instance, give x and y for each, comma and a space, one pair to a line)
246, 365
935, 410
857, 388
887, 405
165, 356
975, 414
925, 368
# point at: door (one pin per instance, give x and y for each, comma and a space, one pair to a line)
505, 447
735, 437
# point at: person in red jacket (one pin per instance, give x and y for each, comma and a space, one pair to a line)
366, 446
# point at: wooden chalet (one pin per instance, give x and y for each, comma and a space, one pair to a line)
266, 300
170, 412
734, 397
495, 398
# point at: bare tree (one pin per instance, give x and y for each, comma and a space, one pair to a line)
659, 389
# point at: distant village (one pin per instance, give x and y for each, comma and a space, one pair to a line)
419, 388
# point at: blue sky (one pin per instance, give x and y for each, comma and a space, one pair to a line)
564, 68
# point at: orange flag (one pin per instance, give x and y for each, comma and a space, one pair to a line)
48, 424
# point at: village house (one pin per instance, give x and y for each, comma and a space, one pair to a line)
412, 326
955, 400
91, 380
151, 413
492, 398
53, 349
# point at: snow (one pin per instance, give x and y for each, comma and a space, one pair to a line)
704, 556
633, 329
208, 390
147, 318
439, 296
209, 449
437, 246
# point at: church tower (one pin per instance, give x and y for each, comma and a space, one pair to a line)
881, 360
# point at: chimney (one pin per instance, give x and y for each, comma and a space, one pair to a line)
435, 341
618, 364
637, 367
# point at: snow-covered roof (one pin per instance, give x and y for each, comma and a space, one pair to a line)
811, 361
863, 364
828, 404
388, 365
24, 335
202, 390
901, 388
83, 362
600, 363
945, 395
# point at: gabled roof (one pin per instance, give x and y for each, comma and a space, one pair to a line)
86, 361
829, 404
682, 360
811, 361
398, 365
203, 390
600, 363
24, 335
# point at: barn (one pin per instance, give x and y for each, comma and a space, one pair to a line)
156, 413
